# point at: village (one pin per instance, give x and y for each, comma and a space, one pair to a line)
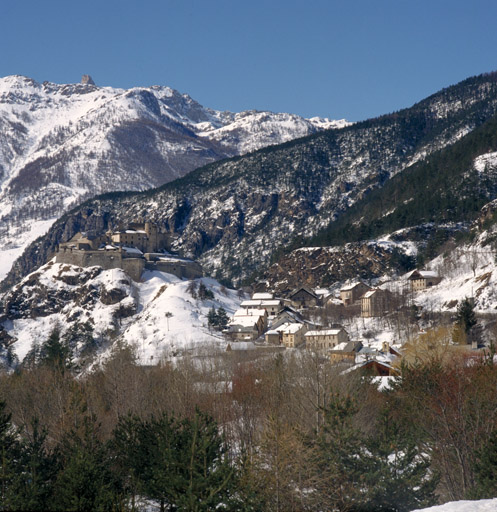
288, 322
302, 319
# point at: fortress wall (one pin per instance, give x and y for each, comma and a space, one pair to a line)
184, 270
132, 266
105, 259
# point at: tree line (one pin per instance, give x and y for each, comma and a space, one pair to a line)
261, 431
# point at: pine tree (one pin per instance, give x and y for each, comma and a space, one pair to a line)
486, 470
9, 454
222, 318
397, 476
85, 481
33, 484
212, 318
466, 315
56, 353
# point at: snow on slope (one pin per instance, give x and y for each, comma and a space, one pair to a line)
464, 506
62, 296
170, 320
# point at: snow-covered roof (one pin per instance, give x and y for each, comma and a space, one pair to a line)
341, 346
132, 250
259, 302
327, 332
262, 296
370, 293
350, 287
321, 291
244, 321
292, 328
424, 274
250, 312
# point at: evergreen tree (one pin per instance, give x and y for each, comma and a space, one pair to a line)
397, 476
486, 470
85, 481
466, 315
339, 462
55, 352
9, 454
33, 484
222, 318
182, 464
212, 317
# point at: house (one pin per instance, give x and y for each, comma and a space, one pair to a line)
293, 335
325, 339
286, 315
377, 368
247, 324
422, 279
271, 306
374, 303
304, 298
352, 293
345, 352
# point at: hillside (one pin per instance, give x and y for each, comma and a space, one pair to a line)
234, 215
160, 316
63, 143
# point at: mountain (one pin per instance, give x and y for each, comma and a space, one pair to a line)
60, 144
235, 216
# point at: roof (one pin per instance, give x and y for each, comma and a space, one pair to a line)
249, 312
292, 328
303, 288
347, 346
423, 274
370, 293
132, 250
327, 332
352, 286
243, 321
262, 296
260, 302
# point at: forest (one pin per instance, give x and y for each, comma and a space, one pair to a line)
246, 431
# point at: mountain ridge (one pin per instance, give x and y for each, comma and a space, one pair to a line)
63, 143
235, 214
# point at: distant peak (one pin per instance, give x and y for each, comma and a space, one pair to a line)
87, 80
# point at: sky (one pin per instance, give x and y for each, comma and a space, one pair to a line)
351, 59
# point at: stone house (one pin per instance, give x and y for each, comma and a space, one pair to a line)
325, 339
352, 293
304, 298
345, 352
293, 335
422, 279
374, 303
247, 324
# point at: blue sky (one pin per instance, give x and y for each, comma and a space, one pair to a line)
350, 59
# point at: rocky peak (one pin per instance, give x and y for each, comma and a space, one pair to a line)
87, 80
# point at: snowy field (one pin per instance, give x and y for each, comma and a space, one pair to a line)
464, 506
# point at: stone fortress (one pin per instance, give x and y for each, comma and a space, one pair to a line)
137, 248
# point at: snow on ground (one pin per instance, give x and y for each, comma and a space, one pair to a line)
464, 506
170, 320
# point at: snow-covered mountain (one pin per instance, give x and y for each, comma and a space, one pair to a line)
60, 144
